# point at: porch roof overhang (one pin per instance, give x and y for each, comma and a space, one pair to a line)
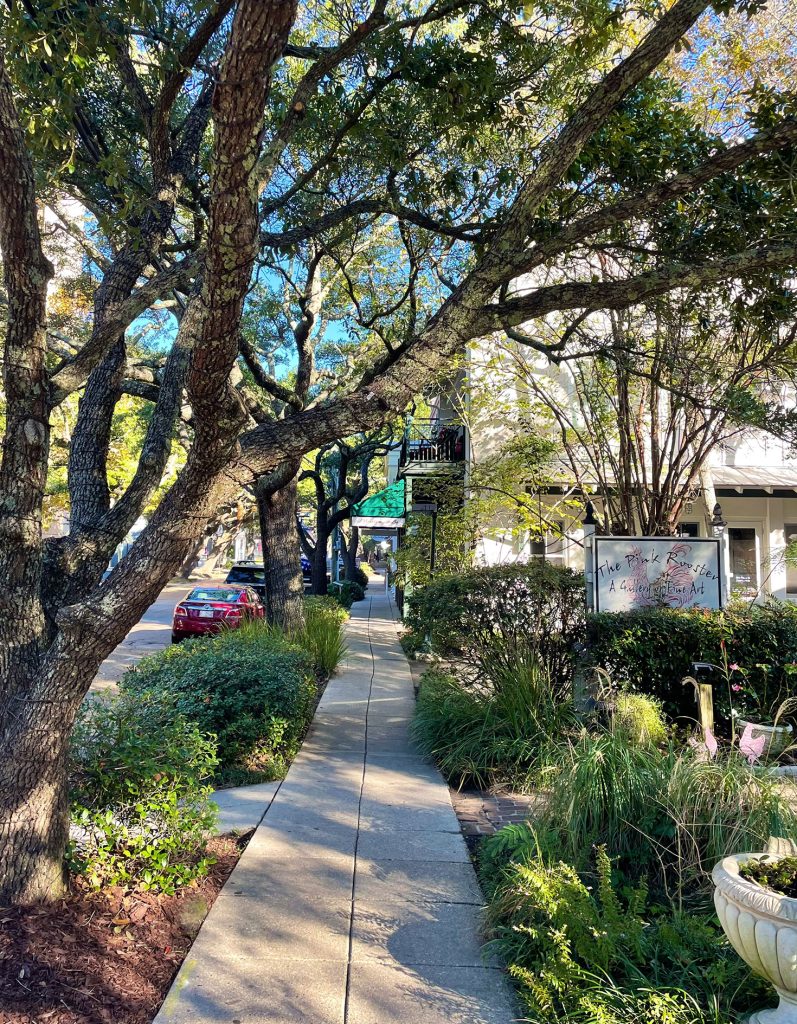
383, 510
755, 478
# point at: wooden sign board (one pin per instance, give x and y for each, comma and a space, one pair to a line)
632, 573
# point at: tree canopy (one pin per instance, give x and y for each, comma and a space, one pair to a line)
441, 170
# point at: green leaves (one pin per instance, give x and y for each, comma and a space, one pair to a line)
140, 805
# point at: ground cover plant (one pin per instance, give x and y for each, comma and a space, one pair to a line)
140, 794
601, 951
252, 688
602, 906
780, 875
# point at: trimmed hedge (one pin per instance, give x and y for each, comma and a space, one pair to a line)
652, 650
500, 610
251, 687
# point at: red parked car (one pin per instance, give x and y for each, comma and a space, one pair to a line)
209, 609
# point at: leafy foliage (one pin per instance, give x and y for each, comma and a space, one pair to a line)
347, 593
653, 650
602, 956
139, 793
251, 687
493, 616
482, 737
779, 875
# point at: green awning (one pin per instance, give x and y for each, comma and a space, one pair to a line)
383, 509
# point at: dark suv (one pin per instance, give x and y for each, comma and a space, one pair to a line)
249, 574
252, 574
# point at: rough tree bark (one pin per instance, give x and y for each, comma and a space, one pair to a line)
32, 776
41, 691
276, 496
350, 545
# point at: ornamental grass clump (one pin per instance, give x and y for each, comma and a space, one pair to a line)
666, 813
482, 736
322, 634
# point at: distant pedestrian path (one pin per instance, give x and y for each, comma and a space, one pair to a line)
355, 901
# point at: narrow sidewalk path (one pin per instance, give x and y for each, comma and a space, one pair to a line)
355, 901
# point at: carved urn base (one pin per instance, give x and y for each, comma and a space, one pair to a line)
762, 928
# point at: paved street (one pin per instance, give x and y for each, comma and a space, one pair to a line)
355, 901
153, 632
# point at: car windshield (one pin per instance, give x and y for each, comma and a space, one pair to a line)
214, 594
245, 575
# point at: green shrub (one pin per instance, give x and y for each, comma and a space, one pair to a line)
251, 687
652, 650
323, 633
346, 593
483, 737
488, 615
139, 797
587, 954
640, 719
360, 576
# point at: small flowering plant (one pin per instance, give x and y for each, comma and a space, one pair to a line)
763, 703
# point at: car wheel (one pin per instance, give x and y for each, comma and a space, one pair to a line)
177, 637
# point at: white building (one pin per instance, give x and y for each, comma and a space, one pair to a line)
751, 475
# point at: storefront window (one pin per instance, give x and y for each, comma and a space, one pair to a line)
743, 559
790, 534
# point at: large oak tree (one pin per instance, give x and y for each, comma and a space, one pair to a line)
210, 142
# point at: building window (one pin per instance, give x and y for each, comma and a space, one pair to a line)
689, 529
549, 547
743, 559
790, 534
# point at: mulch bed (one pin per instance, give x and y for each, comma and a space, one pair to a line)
103, 957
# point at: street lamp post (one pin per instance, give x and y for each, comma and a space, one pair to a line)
718, 525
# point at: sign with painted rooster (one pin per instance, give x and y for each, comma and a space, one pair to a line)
632, 573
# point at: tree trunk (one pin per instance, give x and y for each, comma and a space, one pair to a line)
319, 577
352, 548
34, 807
276, 505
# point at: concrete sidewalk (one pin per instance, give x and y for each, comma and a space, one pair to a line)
355, 901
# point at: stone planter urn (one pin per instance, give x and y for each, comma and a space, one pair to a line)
762, 927
778, 737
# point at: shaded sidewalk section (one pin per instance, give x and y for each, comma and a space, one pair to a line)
355, 901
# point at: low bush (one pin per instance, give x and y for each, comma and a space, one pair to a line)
652, 650
587, 954
251, 687
140, 792
323, 634
490, 615
346, 593
360, 576
640, 719
481, 737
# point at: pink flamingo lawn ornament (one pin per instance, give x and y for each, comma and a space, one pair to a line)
751, 748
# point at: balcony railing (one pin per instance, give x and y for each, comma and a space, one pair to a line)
432, 441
